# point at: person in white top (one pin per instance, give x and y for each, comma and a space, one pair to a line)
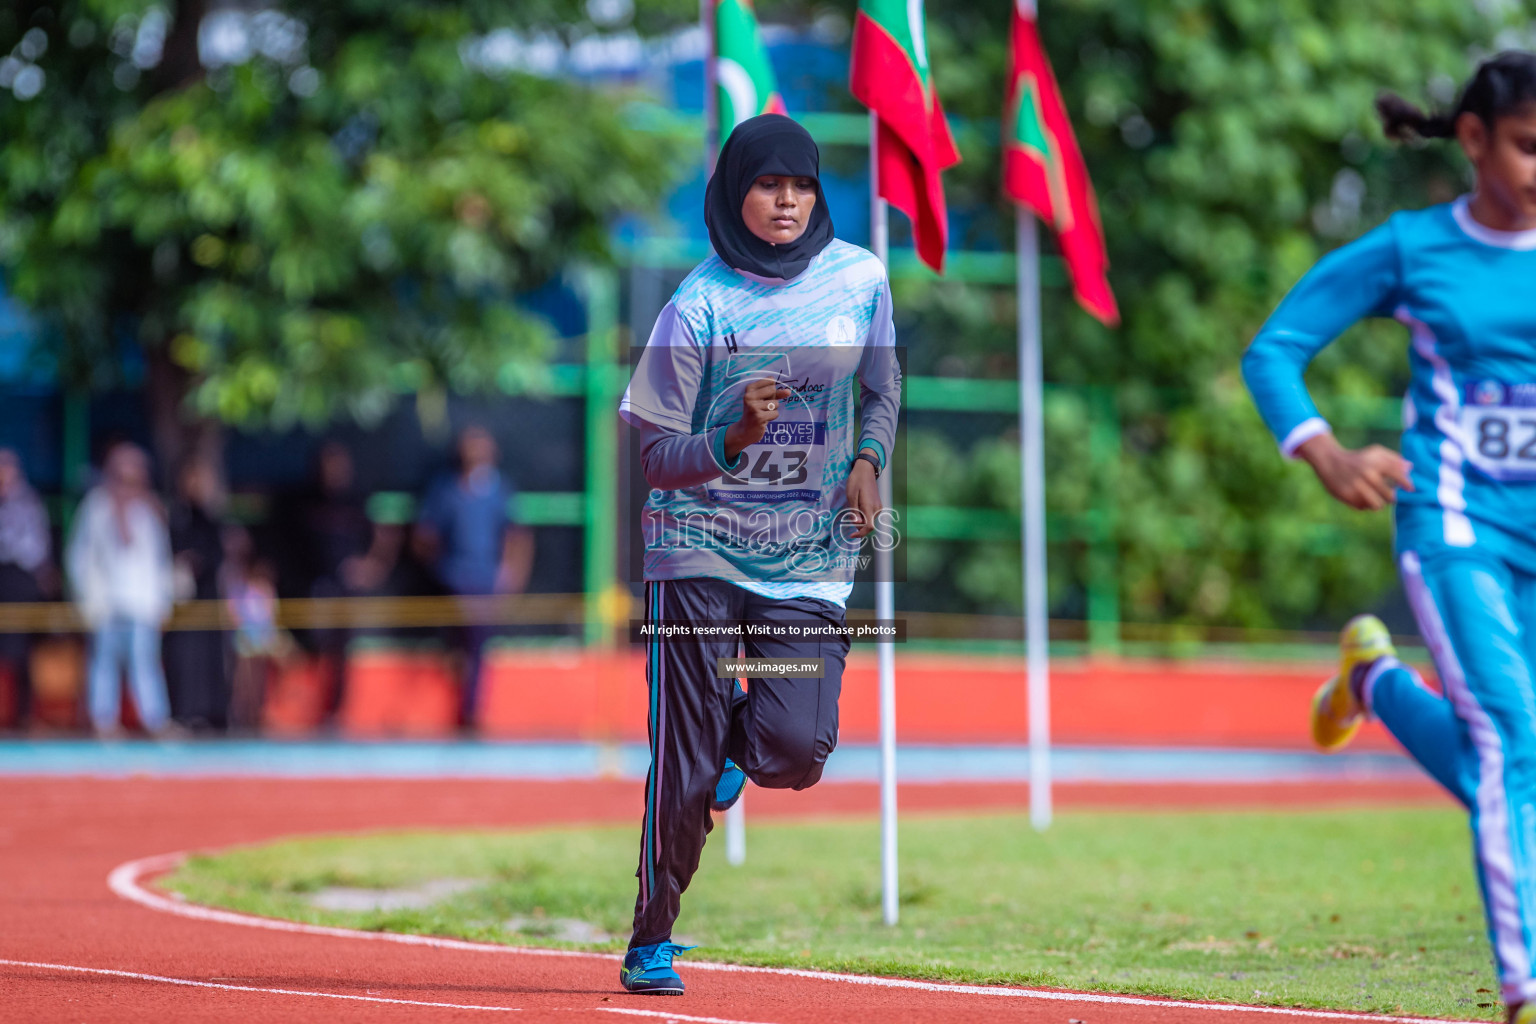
120, 572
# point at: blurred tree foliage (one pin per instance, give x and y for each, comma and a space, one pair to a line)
344, 210
1232, 143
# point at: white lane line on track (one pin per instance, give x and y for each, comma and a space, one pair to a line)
126, 881
137, 976
188, 982
669, 1016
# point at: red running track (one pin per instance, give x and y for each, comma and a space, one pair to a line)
73, 951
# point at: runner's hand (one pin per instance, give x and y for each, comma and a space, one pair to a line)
1362, 478
760, 405
863, 499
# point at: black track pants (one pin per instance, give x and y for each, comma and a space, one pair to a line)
780, 731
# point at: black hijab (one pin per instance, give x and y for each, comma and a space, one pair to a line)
766, 144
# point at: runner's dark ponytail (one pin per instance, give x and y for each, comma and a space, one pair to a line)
1402, 121
1501, 86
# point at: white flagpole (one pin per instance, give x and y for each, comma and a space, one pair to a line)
736, 832
1032, 459
736, 817
885, 596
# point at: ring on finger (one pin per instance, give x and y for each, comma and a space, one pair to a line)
773, 406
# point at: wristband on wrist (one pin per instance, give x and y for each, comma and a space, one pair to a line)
872, 460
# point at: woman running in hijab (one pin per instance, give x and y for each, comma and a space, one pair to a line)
763, 489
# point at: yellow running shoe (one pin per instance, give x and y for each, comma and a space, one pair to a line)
1336, 714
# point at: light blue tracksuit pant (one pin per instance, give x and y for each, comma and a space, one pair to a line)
1478, 616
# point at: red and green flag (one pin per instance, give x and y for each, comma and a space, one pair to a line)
742, 72
1043, 169
913, 145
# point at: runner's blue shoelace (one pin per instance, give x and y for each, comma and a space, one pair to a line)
661, 955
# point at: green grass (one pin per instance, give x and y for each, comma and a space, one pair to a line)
1363, 910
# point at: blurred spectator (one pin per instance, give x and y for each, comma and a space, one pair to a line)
466, 535
196, 661
383, 570
26, 574
250, 588
333, 522
320, 532
120, 568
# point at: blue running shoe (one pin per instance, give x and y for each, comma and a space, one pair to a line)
648, 970
728, 790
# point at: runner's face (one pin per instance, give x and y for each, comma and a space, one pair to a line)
1505, 159
778, 208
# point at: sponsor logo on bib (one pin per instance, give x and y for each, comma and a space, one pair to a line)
1487, 392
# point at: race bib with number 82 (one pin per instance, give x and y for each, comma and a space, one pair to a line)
1499, 429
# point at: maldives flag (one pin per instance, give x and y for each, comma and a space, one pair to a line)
1044, 170
913, 144
745, 77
